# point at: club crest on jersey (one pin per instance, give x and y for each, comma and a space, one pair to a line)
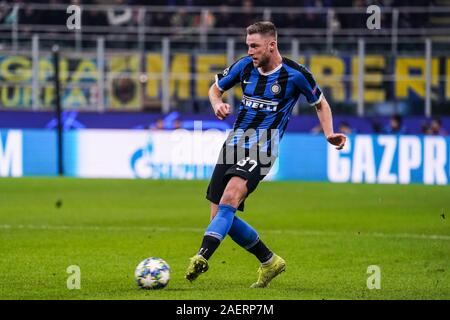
225, 72
275, 88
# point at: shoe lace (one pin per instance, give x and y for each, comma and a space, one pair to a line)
262, 277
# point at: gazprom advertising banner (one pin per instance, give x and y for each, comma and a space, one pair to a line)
366, 159
183, 154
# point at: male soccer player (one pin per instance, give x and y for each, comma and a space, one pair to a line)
271, 85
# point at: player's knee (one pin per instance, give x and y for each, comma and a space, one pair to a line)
230, 197
234, 193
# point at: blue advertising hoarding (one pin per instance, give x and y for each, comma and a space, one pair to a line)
366, 159
184, 154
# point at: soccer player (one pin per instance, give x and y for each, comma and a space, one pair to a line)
271, 85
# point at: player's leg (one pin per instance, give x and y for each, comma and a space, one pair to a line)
246, 236
198, 264
253, 170
234, 193
271, 264
230, 197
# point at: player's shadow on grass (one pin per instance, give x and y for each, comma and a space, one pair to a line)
293, 289
179, 289
165, 290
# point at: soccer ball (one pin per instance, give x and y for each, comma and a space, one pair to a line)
152, 273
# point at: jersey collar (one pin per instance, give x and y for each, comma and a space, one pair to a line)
271, 71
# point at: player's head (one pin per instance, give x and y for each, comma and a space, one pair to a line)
262, 42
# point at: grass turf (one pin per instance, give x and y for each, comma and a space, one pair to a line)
328, 233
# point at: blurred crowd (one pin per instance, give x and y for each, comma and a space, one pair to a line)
395, 125
223, 17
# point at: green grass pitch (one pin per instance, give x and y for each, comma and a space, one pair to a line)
328, 234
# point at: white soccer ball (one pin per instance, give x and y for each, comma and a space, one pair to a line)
152, 273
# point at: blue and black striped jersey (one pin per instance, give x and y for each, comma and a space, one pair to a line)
268, 99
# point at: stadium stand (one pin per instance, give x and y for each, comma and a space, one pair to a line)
204, 36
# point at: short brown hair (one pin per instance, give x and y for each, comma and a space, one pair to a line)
266, 28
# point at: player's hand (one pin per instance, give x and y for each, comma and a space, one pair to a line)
337, 139
222, 110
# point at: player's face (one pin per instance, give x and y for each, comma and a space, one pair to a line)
259, 48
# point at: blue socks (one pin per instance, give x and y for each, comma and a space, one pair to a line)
217, 230
221, 224
225, 222
243, 234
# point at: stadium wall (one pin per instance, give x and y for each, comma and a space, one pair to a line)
183, 154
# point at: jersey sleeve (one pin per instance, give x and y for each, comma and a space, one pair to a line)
231, 75
308, 87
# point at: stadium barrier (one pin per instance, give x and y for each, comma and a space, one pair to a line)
183, 154
365, 80
192, 75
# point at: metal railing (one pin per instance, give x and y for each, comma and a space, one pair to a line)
94, 71
144, 28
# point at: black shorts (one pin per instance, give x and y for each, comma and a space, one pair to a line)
244, 163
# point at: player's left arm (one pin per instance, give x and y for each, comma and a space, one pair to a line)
308, 86
326, 120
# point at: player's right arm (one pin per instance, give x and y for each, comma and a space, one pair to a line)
221, 109
224, 81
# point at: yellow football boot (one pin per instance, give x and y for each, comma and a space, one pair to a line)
197, 265
267, 273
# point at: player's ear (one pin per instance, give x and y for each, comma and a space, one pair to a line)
272, 45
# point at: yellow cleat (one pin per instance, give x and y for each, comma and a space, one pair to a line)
267, 273
197, 265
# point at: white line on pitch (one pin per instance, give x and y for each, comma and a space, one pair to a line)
199, 230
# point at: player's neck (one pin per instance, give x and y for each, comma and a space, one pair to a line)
273, 64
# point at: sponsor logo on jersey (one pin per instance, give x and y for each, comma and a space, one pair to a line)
260, 104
